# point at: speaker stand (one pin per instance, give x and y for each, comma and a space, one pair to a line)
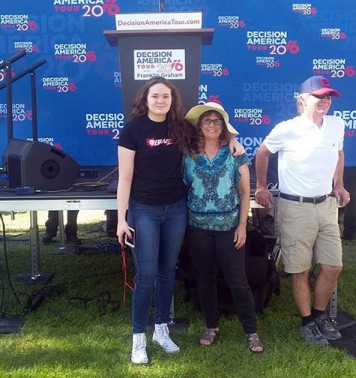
36, 276
63, 248
11, 324
174, 324
31, 278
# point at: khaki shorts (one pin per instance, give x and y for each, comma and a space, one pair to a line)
308, 233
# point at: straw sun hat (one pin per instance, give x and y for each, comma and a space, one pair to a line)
196, 111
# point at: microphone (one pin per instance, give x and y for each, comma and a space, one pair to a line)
162, 6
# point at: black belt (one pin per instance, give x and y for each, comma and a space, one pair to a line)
314, 200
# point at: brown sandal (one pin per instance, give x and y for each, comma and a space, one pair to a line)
254, 343
209, 336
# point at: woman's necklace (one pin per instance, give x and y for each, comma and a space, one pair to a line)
211, 154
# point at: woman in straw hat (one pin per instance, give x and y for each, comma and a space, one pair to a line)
218, 204
151, 187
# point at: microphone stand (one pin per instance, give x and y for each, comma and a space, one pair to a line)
8, 84
7, 65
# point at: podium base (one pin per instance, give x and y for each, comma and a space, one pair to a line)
33, 278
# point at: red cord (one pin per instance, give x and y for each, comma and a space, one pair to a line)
124, 269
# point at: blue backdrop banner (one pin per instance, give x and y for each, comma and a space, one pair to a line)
261, 52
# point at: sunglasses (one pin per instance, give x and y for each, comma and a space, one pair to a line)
322, 97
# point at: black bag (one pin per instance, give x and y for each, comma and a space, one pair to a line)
261, 269
261, 273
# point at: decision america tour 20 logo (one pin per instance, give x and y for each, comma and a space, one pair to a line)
214, 69
88, 8
28, 46
231, 21
19, 112
267, 61
276, 42
104, 124
169, 64
334, 67
77, 52
19, 22
60, 84
253, 116
305, 9
332, 33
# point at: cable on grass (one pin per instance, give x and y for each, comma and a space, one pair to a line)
2, 308
103, 302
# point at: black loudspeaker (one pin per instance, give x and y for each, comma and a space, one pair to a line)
38, 165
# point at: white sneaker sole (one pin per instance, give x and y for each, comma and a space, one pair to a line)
175, 350
139, 361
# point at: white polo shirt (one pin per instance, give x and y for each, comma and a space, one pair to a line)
307, 154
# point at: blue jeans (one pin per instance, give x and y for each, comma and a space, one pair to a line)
159, 236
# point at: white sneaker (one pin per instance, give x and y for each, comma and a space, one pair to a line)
139, 355
161, 337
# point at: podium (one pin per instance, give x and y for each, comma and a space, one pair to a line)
131, 41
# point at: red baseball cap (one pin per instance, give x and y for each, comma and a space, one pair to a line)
318, 85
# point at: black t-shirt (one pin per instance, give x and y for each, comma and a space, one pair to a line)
157, 178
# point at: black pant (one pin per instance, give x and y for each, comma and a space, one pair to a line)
70, 228
207, 249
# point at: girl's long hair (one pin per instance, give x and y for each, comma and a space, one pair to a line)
178, 128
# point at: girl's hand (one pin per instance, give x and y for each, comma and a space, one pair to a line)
122, 229
236, 148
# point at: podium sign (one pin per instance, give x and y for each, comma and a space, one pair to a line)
158, 21
169, 63
172, 53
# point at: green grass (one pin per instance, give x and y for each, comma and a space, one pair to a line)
66, 337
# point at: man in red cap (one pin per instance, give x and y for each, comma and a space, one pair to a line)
310, 173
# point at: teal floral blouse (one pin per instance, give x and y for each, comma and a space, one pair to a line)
213, 200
